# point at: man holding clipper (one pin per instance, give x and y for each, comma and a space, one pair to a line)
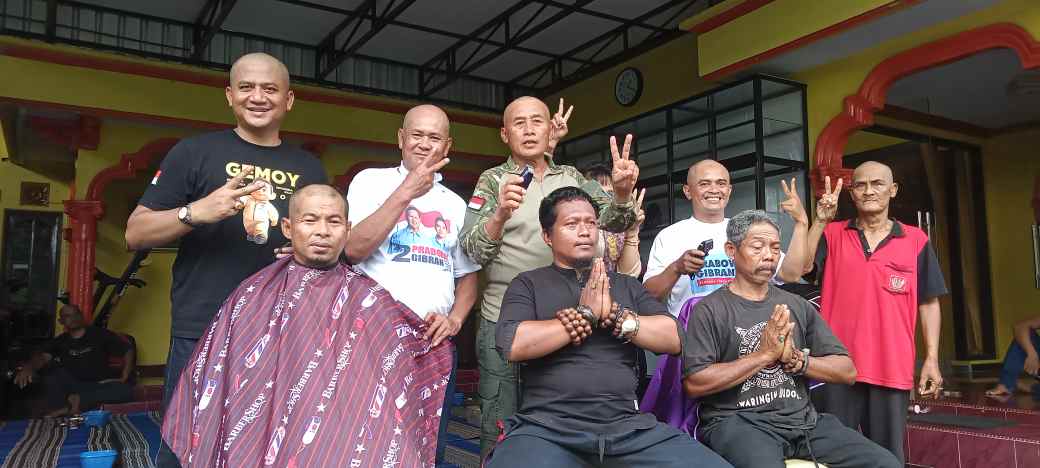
677, 272
502, 232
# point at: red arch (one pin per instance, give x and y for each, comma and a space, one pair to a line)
858, 109
84, 215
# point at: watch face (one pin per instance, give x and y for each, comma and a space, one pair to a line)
628, 86
628, 326
182, 213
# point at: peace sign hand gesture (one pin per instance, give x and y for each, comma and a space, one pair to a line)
827, 205
224, 202
792, 205
625, 173
558, 126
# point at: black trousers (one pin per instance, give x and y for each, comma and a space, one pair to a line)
748, 444
530, 445
181, 350
59, 384
878, 412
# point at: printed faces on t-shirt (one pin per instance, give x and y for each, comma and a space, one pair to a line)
423, 237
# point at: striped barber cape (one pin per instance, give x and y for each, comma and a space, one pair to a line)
304, 367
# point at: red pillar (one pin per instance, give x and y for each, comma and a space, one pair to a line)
82, 238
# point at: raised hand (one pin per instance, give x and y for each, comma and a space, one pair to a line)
640, 214
224, 202
420, 179
558, 128
510, 194
792, 205
827, 205
626, 172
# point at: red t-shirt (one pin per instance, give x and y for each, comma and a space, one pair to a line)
870, 299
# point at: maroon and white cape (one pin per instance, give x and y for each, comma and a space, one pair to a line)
309, 368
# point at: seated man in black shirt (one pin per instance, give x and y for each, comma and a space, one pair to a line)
81, 378
577, 330
750, 348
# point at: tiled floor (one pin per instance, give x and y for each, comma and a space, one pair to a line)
942, 446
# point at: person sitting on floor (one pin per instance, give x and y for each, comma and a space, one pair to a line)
1022, 355
750, 348
80, 377
576, 329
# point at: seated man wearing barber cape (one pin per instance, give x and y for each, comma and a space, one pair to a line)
309, 364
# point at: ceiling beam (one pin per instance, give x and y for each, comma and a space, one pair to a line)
331, 55
448, 60
604, 40
413, 26
212, 16
602, 15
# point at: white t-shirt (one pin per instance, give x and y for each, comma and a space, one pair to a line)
687, 234
420, 259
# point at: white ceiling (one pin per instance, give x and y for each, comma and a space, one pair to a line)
973, 90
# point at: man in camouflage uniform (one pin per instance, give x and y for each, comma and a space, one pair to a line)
502, 232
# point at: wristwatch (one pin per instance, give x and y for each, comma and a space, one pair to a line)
587, 313
184, 215
630, 326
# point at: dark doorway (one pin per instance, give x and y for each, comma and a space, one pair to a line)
30, 259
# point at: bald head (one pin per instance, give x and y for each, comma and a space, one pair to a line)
708, 189
703, 166
424, 112
260, 60
527, 103
317, 225
873, 188
425, 134
259, 95
874, 168
301, 196
525, 129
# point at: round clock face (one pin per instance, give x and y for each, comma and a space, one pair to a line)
628, 86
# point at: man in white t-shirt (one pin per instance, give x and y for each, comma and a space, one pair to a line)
677, 271
395, 212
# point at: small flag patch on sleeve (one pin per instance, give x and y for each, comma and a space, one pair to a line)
476, 203
155, 180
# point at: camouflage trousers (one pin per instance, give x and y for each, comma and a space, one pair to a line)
497, 386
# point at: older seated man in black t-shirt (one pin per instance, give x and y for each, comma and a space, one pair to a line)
577, 330
750, 348
80, 377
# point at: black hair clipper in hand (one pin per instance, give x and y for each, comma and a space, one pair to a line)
527, 175
706, 246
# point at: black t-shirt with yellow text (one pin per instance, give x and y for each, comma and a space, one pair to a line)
213, 259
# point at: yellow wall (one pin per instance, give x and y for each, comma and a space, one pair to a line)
669, 75
1009, 167
773, 25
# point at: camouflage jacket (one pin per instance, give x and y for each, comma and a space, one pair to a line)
521, 247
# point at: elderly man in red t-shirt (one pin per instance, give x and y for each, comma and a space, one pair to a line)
877, 276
